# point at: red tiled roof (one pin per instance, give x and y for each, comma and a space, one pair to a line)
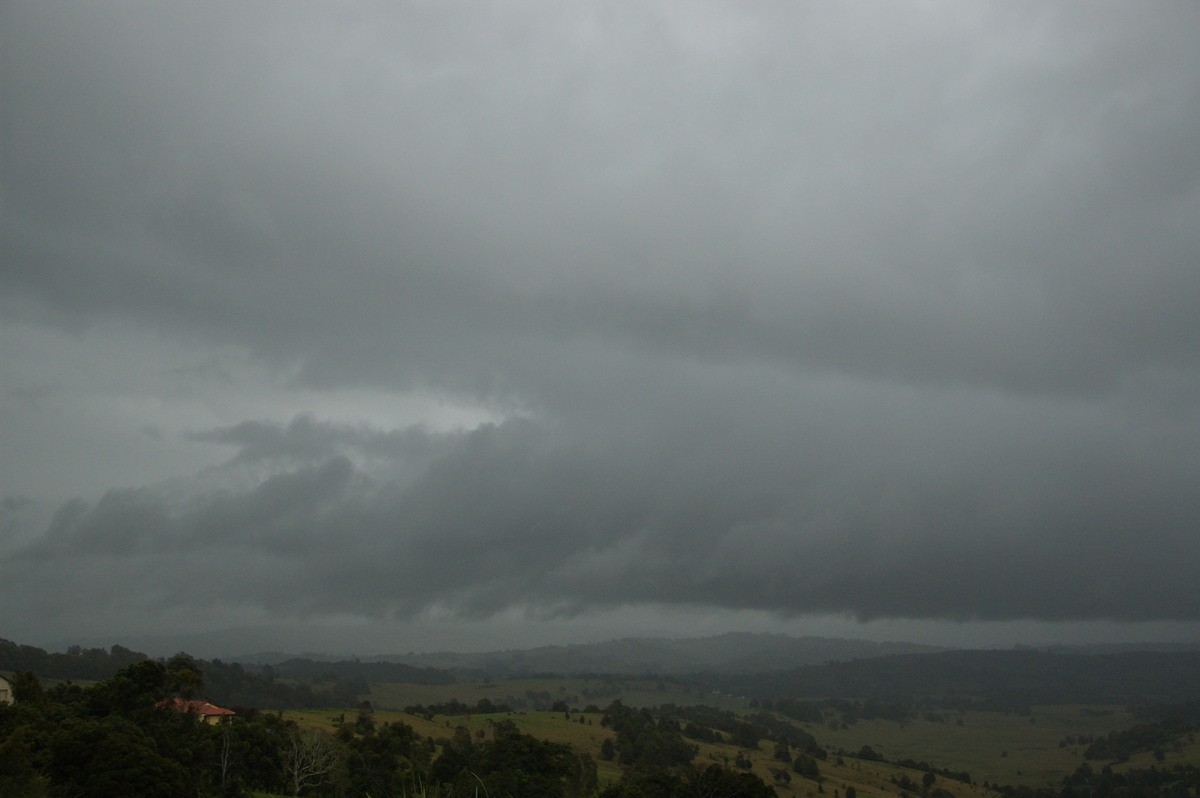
201, 708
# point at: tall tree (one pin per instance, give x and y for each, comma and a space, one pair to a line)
309, 760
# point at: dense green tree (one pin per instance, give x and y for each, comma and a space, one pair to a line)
184, 677
870, 754
387, 762
133, 691
512, 763
457, 760
716, 780
19, 778
744, 735
582, 777
807, 767
364, 723
26, 688
249, 753
520, 764
644, 744
112, 757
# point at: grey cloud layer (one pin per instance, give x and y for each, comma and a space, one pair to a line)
1012, 218
745, 517
803, 308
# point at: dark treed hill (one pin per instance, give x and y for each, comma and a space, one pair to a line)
374, 671
1004, 677
75, 663
736, 652
295, 684
1111, 648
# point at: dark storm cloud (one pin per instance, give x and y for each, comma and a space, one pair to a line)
900, 236
798, 308
512, 516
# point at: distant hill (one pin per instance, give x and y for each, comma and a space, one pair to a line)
1112, 648
373, 671
1002, 678
736, 652
301, 683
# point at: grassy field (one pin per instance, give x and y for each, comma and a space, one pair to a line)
868, 778
993, 747
553, 726
1188, 753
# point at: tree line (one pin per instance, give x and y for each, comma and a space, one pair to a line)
297, 684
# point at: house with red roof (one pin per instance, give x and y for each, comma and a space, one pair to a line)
204, 711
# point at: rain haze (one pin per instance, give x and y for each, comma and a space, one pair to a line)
380, 327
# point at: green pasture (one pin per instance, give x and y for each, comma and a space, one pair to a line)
869, 778
1186, 752
1001, 748
585, 737
994, 747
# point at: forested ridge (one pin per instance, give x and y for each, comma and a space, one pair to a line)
293, 684
75, 663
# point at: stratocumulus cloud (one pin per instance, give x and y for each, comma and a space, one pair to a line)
802, 309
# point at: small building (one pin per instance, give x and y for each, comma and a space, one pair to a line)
6, 696
204, 711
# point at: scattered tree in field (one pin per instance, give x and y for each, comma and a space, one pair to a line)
807, 767
871, 755
365, 722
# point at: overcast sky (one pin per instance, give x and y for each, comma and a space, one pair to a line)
395, 326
